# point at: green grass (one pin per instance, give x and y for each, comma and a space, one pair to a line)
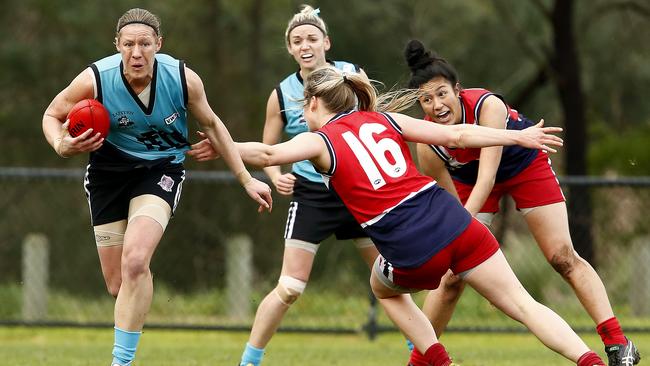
20, 346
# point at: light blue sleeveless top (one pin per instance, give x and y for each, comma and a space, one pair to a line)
148, 133
290, 94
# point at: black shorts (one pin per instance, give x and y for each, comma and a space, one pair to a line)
316, 213
110, 191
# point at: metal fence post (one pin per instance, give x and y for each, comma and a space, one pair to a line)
239, 276
640, 297
371, 326
35, 277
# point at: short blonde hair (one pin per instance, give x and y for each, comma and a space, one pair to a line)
138, 16
307, 15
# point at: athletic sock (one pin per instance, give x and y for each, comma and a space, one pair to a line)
417, 359
125, 345
251, 356
610, 332
437, 355
590, 359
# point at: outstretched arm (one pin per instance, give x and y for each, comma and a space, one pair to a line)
220, 139
305, 146
462, 136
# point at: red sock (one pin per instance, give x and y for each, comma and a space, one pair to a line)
610, 332
417, 359
437, 355
590, 359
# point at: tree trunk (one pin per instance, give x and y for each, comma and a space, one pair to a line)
569, 86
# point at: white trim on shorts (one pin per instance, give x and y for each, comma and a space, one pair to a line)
291, 219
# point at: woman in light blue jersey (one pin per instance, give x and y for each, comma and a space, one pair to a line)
315, 212
134, 177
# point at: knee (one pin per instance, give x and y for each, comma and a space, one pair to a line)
289, 289
134, 266
564, 260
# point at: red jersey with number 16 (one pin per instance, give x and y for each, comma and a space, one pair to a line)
372, 169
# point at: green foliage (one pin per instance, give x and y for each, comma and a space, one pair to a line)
11, 303
238, 48
620, 151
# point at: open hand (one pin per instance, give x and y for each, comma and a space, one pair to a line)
540, 137
261, 193
203, 150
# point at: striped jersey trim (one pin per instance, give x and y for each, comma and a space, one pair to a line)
330, 149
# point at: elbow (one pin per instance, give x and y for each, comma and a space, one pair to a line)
267, 161
259, 160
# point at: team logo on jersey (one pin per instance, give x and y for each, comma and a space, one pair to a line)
124, 122
169, 120
166, 183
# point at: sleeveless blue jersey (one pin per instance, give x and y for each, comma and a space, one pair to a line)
290, 94
156, 132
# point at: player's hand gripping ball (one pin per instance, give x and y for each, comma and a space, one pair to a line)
88, 113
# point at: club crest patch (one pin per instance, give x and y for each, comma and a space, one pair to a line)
169, 120
124, 122
166, 183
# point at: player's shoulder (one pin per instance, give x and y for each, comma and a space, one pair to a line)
346, 66
108, 62
166, 59
473, 93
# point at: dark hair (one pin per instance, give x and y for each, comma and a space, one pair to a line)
426, 65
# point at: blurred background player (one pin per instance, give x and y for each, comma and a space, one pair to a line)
315, 213
135, 177
480, 177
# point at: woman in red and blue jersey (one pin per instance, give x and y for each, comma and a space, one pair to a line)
420, 230
480, 177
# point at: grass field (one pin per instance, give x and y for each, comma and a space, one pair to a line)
20, 346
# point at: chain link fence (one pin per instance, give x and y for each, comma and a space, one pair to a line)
219, 258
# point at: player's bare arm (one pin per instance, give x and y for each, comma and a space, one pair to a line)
54, 119
463, 136
494, 114
305, 146
273, 127
220, 139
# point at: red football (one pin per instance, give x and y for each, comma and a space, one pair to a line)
88, 113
